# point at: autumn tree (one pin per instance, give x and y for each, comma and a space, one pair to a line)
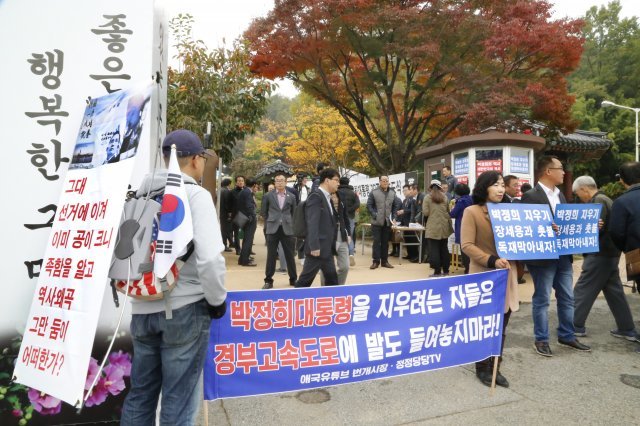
310, 133
408, 74
608, 71
213, 86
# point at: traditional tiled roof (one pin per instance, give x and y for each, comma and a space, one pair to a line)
271, 169
590, 144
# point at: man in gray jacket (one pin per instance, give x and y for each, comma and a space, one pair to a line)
382, 208
277, 210
169, 353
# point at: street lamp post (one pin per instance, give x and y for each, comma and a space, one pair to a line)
636, 110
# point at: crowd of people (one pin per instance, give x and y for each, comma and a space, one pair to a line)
316, 224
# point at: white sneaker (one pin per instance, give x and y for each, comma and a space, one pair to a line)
352, 260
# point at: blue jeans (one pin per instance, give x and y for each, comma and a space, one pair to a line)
558, 274
168, 356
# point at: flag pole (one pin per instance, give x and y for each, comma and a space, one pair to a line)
492, 391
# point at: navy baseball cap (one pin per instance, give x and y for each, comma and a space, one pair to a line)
187, 143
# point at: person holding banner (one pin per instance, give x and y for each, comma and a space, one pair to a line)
550, 274
600, 271
170, 348
435, 209
479, 244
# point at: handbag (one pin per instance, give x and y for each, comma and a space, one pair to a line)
632, 259
397, 237
240, 220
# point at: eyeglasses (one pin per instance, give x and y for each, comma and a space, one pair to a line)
336, 179
205, 156
556, 168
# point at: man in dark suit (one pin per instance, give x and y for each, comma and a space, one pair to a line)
227, 201
322, 231
551, 274
277, 210
236, 231
246, 204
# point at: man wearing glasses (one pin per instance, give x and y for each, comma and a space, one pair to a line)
277, 211
550, 274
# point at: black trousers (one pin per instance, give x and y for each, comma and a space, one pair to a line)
247, 242
487, 363
226, 230
412, 251
312, 265
236, 237
288, 246
381, 235
439, 255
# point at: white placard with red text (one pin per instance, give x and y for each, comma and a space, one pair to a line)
61, 325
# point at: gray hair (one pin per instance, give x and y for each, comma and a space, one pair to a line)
584, 181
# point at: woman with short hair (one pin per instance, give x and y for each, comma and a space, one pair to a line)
478, 243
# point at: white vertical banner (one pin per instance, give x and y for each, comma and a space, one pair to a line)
396, 181
61, 325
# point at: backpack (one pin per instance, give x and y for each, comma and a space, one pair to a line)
299, 221
131, 270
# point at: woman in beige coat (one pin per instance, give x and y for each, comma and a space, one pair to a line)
435, 209
478, 243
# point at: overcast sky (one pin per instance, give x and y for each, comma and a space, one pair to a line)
216, 20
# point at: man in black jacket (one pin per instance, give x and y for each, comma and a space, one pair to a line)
625, 212
554, 273
322, 231
247, 206
227, 201
600, 271
236, 231
351, 203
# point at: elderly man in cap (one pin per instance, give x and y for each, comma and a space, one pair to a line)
169, 353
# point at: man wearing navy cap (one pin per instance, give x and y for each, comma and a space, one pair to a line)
169, 353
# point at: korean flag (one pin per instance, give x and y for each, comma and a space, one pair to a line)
176, 229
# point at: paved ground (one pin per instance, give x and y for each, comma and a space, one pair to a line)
601, 387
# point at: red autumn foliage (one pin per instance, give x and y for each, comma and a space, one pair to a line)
411, 73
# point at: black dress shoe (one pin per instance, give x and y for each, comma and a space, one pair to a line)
395, 255
486, 376
542, 348
387, 265
250, 263
414, 260
292, 283
501, 380
228, 249
574, 344
267, 285
374, 265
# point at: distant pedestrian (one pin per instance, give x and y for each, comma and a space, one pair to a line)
227, 207
382, 209
352, 204
436, 209
462, 201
